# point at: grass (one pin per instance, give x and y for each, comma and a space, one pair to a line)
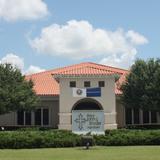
95, 153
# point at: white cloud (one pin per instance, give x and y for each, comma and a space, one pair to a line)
123, 60
13, 10
136, 38
18, 62
13, 59
79, 39
33, 69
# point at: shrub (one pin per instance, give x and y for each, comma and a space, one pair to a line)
128, 137
38, 139
33, 138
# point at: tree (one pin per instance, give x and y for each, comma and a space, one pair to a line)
15, 92
142, 86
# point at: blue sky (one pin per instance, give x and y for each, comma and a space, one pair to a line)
110, 32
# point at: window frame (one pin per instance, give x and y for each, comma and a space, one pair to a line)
24, 118
154, 119
72, 84
146, 117
43, 118
101, 83
128, 116
87, 84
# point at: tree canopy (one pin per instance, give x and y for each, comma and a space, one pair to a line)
15, 92
142, 86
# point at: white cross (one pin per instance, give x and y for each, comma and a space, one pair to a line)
80, 120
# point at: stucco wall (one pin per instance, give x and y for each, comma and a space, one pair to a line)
107, 100
120, 113
8, 119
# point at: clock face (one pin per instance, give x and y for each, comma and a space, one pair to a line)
79, 91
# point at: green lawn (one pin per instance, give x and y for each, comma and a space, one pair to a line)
96, 153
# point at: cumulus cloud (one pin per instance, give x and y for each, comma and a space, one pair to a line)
13, 10
79, 39
136, 38
123, 60
13, 59
33, 69
18, 62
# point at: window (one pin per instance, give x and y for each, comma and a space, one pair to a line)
20, 117
23, 118
153, 117
128, 115
42, 116
27, 118
87, 84
136, 115
45, 116
101, 84
72, 84
145, 116
38, 117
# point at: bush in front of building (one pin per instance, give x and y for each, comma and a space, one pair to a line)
126, 137
38, 139
33, 138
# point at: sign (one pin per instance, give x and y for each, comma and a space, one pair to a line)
85, 121
87, 92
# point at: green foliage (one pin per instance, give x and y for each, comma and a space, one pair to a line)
142, 86
38, 139
15, 92
126, 137
61, 138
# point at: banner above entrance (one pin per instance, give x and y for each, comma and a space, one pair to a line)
87, 92
85, 121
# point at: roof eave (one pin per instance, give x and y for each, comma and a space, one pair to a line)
58, 76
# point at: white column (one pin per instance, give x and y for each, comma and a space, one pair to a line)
41, 116
150, 117
132, 110
49, 115
24, 114
124, 115
32, 118
15, 118
158, 118
141, 116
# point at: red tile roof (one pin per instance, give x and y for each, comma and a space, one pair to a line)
45, 84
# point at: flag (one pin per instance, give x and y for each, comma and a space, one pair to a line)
86, 92
79, 92
93, 92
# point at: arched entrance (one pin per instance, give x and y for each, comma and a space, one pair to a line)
87, 104
87, 116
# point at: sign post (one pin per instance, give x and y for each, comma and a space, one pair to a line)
88, 121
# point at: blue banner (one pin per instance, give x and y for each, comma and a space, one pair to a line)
93, 92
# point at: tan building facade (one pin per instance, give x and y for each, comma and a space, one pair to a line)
107, 99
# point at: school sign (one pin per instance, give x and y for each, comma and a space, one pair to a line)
85, 121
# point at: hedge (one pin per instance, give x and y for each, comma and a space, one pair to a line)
125, 137
33, 138
38, 139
